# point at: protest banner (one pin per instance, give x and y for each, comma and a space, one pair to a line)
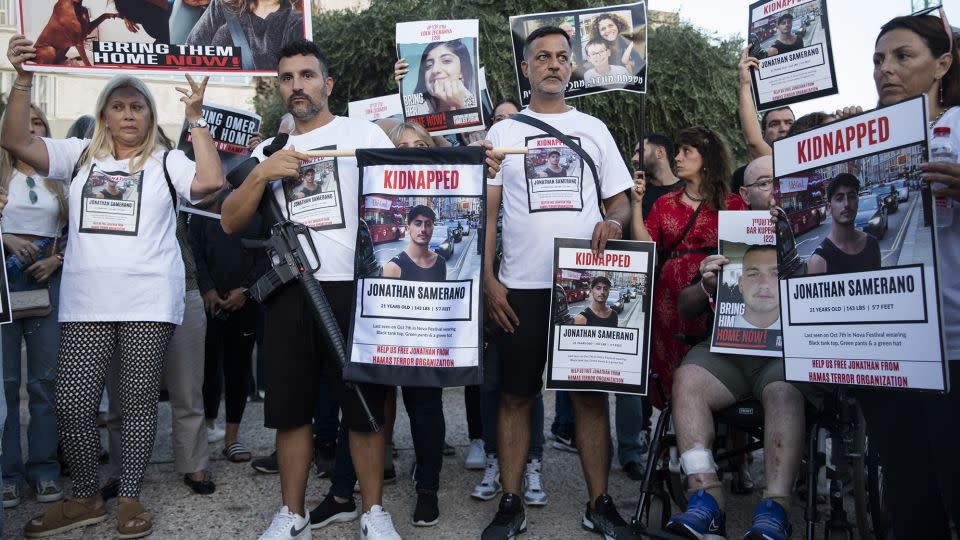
110, 202
867, 312
419, 322
791, 40
747, 317
608, 47
157, 36
375, 108
600, 316
441, 92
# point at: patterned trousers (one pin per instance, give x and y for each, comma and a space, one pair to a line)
85, 352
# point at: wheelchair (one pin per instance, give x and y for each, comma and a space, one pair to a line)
836, 443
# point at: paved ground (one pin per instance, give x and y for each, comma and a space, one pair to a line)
245, 500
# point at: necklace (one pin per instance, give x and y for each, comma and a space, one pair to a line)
691, 197
937, 119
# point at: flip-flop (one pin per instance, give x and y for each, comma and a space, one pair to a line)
130, 510
64, 516
234, 451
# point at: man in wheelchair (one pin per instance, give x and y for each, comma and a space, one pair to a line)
708, 382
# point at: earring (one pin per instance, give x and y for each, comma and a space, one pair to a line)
940, 88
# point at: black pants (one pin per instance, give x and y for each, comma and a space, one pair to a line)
471, 400
918, 440
229, 346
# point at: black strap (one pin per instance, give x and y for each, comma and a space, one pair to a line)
239, 40
550, 130
683, 235
166, 175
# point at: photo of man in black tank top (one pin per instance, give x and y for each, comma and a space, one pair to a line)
417, 262
845, 249
597, 313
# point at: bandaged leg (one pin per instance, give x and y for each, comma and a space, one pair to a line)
697, 463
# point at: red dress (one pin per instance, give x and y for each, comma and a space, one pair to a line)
666, 222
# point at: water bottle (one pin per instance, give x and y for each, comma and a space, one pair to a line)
15, 265
941, 149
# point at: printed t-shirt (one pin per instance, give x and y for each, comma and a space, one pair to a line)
122, 262
538, 208
331, 215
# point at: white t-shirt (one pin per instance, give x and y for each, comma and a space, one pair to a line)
21, 216
540, 205
948, 249
741, 322
333, 214
122, 261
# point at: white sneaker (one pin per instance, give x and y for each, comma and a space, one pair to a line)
476, 457
377, 525
215, 434
286, 525
533, 493
490, 485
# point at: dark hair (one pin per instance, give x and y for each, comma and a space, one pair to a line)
842, 179
82, 128
543, 31
715, 153
763, 119
600, 279
808, 122
784, 17
310, 170
552, 152
661, 140
930, 29
457, 47
306, 48
511, 101
595, 41
616, 19
758, 247
421, 210
239, 6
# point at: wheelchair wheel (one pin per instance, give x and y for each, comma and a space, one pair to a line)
837, 533
879, 513
658, 511
856, 452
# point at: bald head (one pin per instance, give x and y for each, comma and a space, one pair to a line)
757, 187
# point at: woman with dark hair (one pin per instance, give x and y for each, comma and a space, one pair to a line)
623, 50
504, 109
81, 128
684, 226
446, 79
267, 26
915, 433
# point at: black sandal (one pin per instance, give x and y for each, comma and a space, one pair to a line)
200, 487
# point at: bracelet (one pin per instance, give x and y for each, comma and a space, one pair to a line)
21, 87
617, 223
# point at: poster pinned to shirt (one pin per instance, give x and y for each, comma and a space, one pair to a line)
375, 108
232, 130
158, 36
791, 40
440, 91
600, 316
418, 323
608, 47
313, 197
110, 202
747, 317
554, 175
867, 312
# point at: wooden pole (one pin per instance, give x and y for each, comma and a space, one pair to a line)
353, 153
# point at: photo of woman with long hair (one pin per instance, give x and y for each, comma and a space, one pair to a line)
446, 79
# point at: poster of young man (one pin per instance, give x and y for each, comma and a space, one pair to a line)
747, 318
110, 202
600, 316
419, 322
608, 47
791, 41
160, 36
554, 175
375, 108
231, 130
313, 197
867, 312
441, 92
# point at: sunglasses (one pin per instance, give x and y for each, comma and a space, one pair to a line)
32, 184
943, 18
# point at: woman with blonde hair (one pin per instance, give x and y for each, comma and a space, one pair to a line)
32, 223
123, 275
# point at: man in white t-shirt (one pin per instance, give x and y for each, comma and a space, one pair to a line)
293, 345
518, 299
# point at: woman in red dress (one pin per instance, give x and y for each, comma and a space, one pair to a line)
703, 163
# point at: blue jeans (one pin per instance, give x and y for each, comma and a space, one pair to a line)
42, 335
490, 408
629, 423
3, 419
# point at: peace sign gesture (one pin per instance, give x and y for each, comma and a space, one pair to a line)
193, 98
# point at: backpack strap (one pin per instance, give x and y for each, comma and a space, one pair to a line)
239, 40
166, 176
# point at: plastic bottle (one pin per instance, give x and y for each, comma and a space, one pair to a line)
15, 265
942, 150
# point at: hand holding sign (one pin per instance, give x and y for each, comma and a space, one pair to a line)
282, 164
19, 50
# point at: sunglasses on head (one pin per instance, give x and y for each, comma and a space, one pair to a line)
943, 18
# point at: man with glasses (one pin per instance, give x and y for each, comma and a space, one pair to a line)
602, 73
707, 382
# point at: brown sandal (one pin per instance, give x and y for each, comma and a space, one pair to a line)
127, 511
66, 515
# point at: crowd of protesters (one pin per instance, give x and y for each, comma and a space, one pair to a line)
161, 301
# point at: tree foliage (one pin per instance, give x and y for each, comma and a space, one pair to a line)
692, 77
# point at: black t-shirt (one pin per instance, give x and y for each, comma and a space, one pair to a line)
595, 320
410, 270
784, 48
655, 192
307, 192
111, 196
838, 261
555, 174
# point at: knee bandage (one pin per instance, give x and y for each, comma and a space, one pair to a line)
697, 460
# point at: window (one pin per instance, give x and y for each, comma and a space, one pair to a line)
8, 13
43, 90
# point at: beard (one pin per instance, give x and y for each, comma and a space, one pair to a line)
303, 110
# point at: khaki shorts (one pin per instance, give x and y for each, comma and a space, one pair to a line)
745, 376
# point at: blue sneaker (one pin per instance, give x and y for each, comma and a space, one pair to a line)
770, 522
702, 519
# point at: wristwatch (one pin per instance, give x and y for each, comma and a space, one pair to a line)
200, 123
